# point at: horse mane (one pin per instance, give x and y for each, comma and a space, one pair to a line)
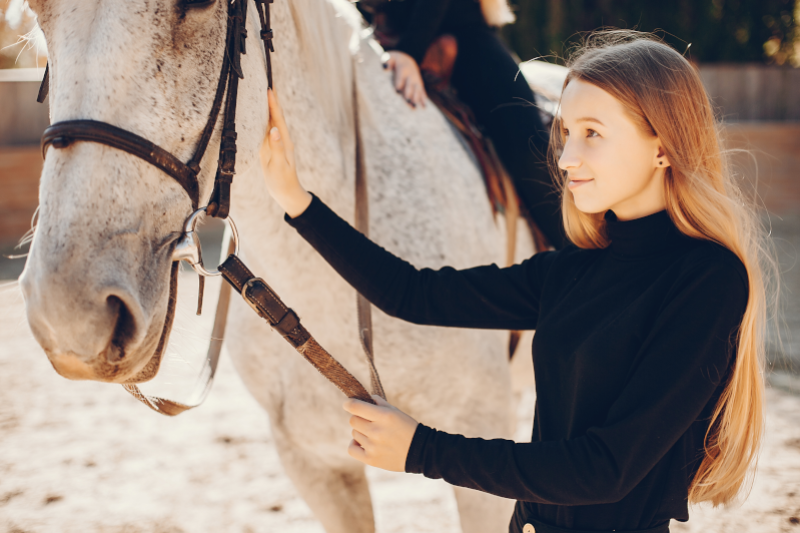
329, 33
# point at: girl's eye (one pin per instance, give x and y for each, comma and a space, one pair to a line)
592, 133
565, 132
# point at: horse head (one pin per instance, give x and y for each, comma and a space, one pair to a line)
96, 283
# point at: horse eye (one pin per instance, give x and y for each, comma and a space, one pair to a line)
198, 3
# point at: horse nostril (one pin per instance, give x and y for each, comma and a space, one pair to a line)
114, 353
124, 330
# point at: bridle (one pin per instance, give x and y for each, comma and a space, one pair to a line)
63, 134
255, 291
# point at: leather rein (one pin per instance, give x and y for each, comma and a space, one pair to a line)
255, 291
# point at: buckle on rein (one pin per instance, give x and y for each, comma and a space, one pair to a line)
189, 249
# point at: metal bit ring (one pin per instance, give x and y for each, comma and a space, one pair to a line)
188, 247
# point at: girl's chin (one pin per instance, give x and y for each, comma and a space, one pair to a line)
586, 206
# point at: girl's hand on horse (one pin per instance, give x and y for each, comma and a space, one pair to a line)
277, 161
407, 77
382, 434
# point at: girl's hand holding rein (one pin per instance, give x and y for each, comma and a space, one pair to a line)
277, 161
382, 434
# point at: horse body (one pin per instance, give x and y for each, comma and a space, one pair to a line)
428, 205
96, 282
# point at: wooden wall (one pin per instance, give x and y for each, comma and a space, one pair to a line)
20, 168
22, 118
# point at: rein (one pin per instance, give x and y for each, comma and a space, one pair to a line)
255, 291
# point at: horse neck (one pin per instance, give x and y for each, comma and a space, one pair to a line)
312, 71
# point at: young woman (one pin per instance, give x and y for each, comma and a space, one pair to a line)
486, 78
649, 343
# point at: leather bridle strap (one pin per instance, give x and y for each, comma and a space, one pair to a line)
219, 203
363, 307
266, 34
268, 305
62, 134
44, 88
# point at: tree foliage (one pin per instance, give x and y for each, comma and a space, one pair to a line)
718, 30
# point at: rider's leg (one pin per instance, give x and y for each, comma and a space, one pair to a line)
486, 78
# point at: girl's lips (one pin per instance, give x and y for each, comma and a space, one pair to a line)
573, 183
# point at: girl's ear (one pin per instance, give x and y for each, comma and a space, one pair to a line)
662, 161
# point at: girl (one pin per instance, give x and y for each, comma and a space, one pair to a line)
649, 343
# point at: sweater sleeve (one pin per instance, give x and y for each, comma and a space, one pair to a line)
426, 18
482, 297
683, 361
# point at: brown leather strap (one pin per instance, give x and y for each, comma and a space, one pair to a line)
62, 134
266, 34
363, 307
44, 88
219, 203
268, 305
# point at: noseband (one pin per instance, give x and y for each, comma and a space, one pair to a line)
63, 134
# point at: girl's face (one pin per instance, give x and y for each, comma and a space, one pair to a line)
610, 162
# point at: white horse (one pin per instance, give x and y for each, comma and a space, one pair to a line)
96, 281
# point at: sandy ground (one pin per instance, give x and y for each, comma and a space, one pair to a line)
80, 456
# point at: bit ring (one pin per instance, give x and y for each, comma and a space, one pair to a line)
188, 247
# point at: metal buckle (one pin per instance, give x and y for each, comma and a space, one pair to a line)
188, 248
245, 288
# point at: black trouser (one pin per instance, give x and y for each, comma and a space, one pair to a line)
486, 78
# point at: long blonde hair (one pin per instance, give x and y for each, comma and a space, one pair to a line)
664, 95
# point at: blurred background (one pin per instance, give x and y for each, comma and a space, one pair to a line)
719, 31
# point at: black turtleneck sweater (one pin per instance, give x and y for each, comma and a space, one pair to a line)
632, 349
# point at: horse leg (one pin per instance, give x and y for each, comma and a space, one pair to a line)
337, 492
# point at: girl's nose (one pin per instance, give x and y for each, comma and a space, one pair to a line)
569, 157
